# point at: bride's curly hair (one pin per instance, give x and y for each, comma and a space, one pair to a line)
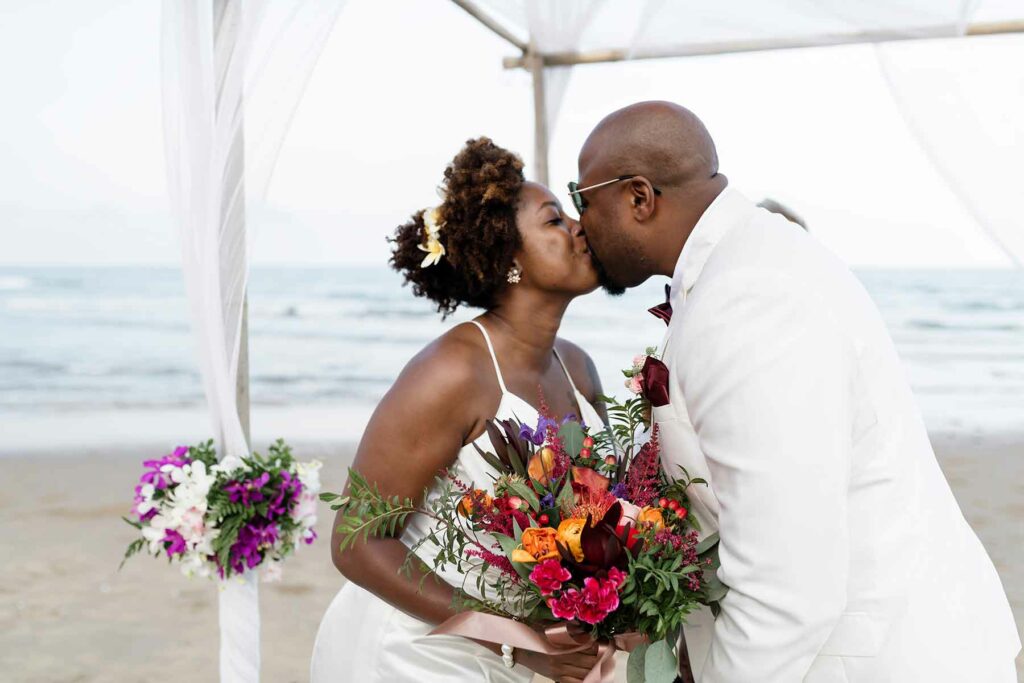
481, 192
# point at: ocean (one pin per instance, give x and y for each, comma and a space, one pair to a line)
78, 339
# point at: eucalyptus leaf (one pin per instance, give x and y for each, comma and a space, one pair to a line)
635, 664
660, 665
706, 544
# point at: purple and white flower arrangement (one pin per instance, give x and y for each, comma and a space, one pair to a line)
223, 519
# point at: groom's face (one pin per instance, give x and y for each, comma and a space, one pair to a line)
606, 225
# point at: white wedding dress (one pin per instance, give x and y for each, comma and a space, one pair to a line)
363, 638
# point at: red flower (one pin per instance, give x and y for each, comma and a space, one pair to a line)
566, 606
617, 576
643, 478
597, 600
549, 576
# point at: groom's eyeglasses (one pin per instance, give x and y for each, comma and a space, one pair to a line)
575, 191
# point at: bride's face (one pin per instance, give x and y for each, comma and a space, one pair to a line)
554, 256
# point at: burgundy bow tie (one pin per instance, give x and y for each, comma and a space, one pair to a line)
663, 311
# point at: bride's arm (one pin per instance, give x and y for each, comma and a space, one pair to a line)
416, 430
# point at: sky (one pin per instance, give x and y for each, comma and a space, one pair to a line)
400, 86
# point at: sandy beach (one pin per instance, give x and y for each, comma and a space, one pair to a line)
67, 613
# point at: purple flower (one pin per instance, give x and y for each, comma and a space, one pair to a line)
619, 490
135, 506
544, 423
174, 543
525, 432
160, 480
287, 494
547, 500
253, 540
248, 492
310, 536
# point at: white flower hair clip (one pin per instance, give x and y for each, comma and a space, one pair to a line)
432, 225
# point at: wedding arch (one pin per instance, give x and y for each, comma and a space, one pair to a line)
234, 71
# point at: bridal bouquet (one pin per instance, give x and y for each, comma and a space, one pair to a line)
578, 532
225, 518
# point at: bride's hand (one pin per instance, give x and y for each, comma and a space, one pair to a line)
570, 668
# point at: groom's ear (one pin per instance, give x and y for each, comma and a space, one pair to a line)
641, 197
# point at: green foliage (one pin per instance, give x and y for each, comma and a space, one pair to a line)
134, 547
660, 662
571, 435
656, 592
635, 665
625, 420
365, 511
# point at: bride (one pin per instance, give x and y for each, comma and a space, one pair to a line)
504, 245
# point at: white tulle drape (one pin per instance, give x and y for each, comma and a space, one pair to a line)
233, 73
558, 27
969, 120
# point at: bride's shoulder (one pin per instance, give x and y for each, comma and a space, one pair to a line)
581, 367
450, 364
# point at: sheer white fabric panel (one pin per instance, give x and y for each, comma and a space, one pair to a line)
558, 27
645, 26
969, 120
655, 26
233, 73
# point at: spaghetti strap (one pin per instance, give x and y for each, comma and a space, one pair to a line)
494, 357
566, 371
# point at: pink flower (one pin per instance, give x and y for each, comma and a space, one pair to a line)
597, 600
566, 606
635, 384
617, 576
549, 576
638, 362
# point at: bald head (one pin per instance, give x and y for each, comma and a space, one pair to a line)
646, 175
661, 140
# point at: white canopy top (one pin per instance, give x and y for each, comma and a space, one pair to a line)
646, 28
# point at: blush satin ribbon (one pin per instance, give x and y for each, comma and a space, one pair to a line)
555, 640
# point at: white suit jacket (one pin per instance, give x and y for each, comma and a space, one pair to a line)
846, 555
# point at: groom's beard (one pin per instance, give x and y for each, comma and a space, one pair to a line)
602, 275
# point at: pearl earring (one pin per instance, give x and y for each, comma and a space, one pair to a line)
514, 275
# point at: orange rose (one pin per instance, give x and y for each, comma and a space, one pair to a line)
569, 532
651, 517
465, 507
540, 465
538, 544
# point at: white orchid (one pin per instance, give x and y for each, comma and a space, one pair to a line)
309, 474
154, 533
229, 464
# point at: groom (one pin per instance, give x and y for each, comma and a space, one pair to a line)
845, 553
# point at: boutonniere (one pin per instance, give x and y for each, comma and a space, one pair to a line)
649, 378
